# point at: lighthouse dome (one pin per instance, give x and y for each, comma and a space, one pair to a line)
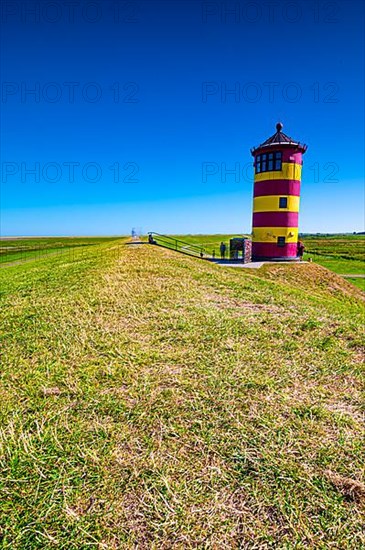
281, 139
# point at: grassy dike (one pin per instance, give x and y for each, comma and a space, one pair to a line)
342, 254
151, 400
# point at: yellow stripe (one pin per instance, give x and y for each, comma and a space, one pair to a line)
289, 171
270, 203
270, 234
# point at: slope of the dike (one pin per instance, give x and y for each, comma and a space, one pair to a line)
152, 400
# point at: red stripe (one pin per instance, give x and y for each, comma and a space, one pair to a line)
276, 187
291, 156
272, 250
275, 219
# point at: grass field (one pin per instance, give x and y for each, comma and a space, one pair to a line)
348, 247
343, 254
210, 242
152, 400
19, 249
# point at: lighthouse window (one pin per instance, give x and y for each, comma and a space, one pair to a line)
281, 241
268, 162
271, 162
278, 157
283, 202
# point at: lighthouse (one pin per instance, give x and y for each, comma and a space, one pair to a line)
278, 168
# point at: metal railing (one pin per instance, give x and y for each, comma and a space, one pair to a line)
197, 251
176, 244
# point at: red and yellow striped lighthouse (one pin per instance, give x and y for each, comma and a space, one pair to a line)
278, 168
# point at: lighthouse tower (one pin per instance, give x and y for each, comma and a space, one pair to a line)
278, 168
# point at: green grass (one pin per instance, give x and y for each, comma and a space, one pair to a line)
153, 400
19, 249
338, 265
342, 254
348, 247
341, 266
209, 242
360, 283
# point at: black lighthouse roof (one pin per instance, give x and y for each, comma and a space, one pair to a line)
280, 139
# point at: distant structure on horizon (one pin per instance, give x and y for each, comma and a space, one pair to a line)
278, 169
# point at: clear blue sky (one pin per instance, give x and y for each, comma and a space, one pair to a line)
129, 90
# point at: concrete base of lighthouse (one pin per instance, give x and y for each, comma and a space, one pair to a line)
278, 259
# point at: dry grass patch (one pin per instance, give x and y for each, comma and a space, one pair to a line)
198, 406
351, 488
